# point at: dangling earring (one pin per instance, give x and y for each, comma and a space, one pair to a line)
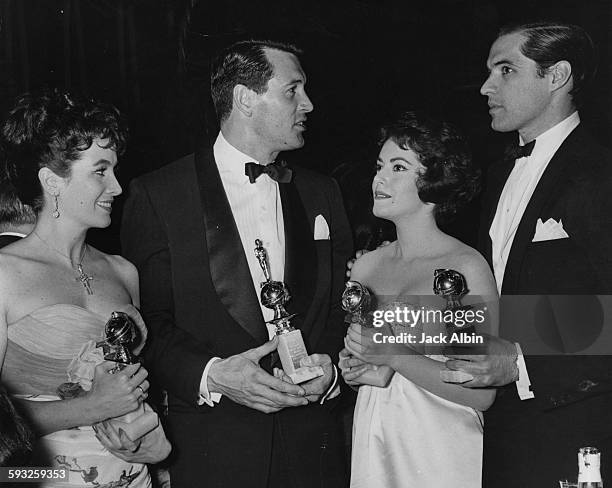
56, 213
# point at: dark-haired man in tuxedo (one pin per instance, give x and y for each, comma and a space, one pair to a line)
547, 231
16, 219
190, 228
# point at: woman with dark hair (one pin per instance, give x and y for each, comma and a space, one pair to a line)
418, 430
57, 291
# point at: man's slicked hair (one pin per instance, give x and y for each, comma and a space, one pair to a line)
547, 43
242, 63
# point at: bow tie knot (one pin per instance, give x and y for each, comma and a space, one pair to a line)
278, 171
517, 151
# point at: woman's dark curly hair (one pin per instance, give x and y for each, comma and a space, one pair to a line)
50, 129
450, 180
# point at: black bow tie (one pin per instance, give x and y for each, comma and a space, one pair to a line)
278, 171
516, 152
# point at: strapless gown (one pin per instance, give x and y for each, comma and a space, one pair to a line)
41, 345
406, 437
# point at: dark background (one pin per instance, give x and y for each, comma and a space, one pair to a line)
363, 59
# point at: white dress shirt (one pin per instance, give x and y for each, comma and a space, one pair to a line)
258, 214
15, 234
513, 201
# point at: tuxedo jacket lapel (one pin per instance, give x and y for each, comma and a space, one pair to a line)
224, 250
300, 255
567, 152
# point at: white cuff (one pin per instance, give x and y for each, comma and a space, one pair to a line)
523, 383
334, 388
205, 396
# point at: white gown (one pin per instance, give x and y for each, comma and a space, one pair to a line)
405, 437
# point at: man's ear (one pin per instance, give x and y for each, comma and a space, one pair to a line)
243, 99
561, 74
50, 182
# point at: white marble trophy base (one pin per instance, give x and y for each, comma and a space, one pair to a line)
291, 350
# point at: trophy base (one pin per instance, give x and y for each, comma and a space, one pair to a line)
306, 373
291, 350
380, 377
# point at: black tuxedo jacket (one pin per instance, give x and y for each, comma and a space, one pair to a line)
548, 306
198, 301
6, 240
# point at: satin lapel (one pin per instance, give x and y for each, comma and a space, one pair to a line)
544, 190
228, 265
300, 256
495, 185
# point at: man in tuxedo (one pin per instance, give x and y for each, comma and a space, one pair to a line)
546, 230
16, 219
190, 228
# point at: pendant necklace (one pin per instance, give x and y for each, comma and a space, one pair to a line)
83, 277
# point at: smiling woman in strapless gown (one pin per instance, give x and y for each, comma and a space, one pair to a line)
417, 431
57, 292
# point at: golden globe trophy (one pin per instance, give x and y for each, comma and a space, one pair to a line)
291, 348
356, 301
452, 286
121, 336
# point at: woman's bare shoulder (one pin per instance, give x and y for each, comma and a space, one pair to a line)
13, 271
123, 268
369, 261
11, 261
473, 266
468, 257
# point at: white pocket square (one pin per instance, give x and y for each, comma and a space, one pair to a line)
321, 229
549, 230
